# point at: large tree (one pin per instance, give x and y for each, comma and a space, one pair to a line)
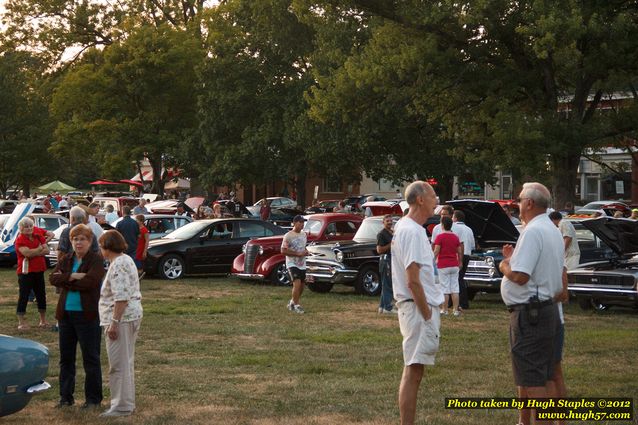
135, 99
522, 82
254, 125
25, 128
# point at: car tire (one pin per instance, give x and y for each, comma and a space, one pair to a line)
368, 280
471, 293
585, 303
319, 287
171, 267
280, 276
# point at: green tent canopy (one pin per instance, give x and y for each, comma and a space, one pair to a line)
56, 186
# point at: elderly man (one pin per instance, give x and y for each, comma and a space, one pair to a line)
417, 295
76, 216
140, 208
533, 275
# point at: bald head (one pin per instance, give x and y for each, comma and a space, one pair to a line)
537, 193
416, 189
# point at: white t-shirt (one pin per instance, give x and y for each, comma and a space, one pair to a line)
410, 245
466, 236
539, 253
295, 242
96, 229
436, 232
567, 230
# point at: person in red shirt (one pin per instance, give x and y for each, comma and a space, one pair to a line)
448, 252
30, 250
142, 245
264, 212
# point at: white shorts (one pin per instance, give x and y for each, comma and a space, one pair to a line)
449, 278
420, 337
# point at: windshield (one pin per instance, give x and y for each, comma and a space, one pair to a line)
312, 227
189, 230
369, 230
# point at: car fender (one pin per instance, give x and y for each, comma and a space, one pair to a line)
268, 265
238, 264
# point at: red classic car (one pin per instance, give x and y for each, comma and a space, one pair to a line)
262, 259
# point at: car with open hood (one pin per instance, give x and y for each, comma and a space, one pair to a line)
492, 229
612, 281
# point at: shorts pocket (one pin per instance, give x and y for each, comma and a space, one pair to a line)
430, 337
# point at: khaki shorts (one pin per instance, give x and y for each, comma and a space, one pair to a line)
420, 337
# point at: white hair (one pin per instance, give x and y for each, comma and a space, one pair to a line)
77, 215
24, 222
414, 190
537, 193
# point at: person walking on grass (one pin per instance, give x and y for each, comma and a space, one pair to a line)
418, 297
294, 248
448, 252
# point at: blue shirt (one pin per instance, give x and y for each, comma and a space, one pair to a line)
73, 301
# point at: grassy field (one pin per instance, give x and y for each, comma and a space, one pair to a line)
221, 351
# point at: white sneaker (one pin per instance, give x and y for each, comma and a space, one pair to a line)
457, 313
297, 309
443, 312
291, 305
393, 311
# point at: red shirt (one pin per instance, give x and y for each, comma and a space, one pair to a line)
448, 255
36, 264
141, 243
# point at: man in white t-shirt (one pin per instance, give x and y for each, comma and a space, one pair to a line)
533, 276
293, 247
417, 294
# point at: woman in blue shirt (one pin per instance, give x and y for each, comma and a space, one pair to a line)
78, 275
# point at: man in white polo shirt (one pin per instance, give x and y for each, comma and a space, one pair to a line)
533, 275
417, 295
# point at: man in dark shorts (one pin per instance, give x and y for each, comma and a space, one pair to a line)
532, 280
294, 248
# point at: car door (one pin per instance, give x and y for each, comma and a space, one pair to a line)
212, 251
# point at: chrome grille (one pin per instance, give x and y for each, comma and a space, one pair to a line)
477, 267
602, 280
249, 258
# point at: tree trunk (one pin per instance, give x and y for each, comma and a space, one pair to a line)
158, 183
301, 189
564, 172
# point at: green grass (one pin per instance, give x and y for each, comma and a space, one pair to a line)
221, 351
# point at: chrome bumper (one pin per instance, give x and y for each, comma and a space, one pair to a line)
609, 291
249, 276
330, 272
38, 388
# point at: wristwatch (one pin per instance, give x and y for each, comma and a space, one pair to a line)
115, 320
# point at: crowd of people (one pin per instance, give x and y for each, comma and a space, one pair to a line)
422, 275
93, 301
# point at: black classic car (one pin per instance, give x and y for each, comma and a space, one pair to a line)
493, 229
204, 246
353, 263
601, 284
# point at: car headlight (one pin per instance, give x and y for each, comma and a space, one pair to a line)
491, 271
490, 261
261, 250
338, 255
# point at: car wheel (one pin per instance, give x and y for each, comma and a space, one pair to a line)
368, 280
320, 287
280, 275
171, 267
